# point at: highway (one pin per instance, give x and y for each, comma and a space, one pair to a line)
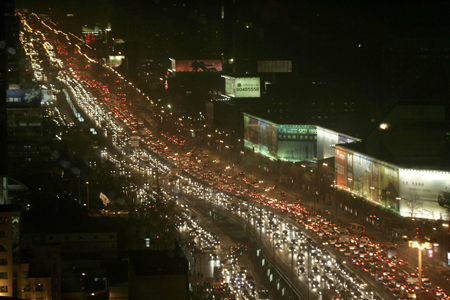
294, 237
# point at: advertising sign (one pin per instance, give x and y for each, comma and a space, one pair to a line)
424, 193
297, 142
253, 130
274, 66
340, 164
349, 167
201, 65
115, 60
23, 98
388, 190
273, 141
263, 136
47, 95
362, 174
296, 150
229, 86
246, 127
243, 87
375, 184
297, 133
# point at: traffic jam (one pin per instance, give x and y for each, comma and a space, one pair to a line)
334, 262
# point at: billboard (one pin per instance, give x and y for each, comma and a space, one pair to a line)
275, 66
23, 98
297, 133
341, 167
263, 136
243, 87
349, 168
260, 135
272, 140
414, 193
229, 86
297, 142
388, 182
424, 193
202, 65
368, 177
253, 130
375, 182
362, 175
115, 60
47, 95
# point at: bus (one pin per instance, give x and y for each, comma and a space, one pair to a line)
356, 229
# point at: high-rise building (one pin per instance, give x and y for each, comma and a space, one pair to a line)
9, 249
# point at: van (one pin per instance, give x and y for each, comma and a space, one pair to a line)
363, 242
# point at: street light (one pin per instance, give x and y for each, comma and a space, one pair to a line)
420, 244
87, 192
447, 240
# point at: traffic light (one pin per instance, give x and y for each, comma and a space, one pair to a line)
417, 231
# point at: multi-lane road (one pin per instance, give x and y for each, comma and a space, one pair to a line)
302, 243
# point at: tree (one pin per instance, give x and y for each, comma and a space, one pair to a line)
413, 202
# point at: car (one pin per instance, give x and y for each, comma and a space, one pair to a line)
300, 262
438, 291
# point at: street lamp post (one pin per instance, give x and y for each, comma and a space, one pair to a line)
335, 199
87, 192
447, 240
273, 247
420, 244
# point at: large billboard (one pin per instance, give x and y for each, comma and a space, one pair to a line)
424, 193
362, 175
414, 193
251, 129
47, 95
23, 98
275, 66
273, 140
367, 177
201, 65
263, 136
297, 142
341, 167
116, 60
243, 87
388, 190
349, 168
260, 135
